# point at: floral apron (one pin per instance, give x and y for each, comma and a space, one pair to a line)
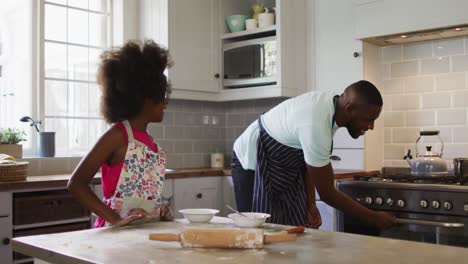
141, 179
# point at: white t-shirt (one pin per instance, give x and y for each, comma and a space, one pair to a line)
303, 122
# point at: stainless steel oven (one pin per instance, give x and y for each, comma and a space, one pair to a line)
430, 213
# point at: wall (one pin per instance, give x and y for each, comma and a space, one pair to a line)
425, 87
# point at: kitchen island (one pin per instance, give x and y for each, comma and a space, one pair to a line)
131, 245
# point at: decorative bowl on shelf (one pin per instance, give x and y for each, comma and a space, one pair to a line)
198, 215
236, 23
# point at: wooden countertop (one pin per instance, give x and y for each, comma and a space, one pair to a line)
59, 181
131, 245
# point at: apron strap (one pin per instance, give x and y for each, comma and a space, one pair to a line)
128, 128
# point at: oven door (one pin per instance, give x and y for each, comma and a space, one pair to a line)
435, 229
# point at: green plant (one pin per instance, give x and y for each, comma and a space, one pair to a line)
11, 136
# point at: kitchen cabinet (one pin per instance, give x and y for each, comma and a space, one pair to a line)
328, 215
340, 60
195, 31
38, 211
6, 232
387, 17
197, 192
229, 197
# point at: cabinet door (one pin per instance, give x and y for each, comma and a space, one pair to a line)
194, 44
336, 65
203, 192
229, 198
328, 215
5, 240
5, 204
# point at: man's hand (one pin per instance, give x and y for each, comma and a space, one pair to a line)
383, 220
166, 214
133, 215
314, 220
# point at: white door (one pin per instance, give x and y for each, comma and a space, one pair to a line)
194, 44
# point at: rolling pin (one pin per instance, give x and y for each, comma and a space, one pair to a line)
227, 237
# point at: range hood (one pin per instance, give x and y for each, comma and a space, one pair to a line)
416, 36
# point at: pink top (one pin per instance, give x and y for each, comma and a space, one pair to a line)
111, 174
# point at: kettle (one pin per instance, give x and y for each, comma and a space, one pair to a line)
430, 163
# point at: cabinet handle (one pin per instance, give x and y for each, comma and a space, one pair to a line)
356, 54
199, 196
217, 76
334, 157
6, 241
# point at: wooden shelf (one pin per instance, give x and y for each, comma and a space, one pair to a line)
249, 32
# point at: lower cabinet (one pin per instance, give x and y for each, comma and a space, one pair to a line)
328, 214
5, 236
197, 192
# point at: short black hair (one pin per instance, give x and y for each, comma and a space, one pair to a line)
129, 75
367, 92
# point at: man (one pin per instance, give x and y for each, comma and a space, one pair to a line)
283, 156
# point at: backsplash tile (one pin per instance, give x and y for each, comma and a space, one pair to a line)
435, 97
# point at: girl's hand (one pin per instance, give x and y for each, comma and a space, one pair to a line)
313, 218
133, 215
166, 214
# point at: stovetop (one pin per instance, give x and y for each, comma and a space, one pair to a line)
409, 194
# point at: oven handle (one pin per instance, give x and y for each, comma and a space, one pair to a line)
429, 223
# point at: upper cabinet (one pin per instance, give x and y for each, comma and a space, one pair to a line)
387, 17
211, 62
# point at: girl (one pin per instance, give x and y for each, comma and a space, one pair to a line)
134, 94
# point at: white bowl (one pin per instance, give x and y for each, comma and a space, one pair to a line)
253, 219
198, 215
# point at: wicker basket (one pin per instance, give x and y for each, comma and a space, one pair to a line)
14, 172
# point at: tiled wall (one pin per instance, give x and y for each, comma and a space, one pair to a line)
425, 87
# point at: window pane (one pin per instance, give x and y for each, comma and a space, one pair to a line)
77, 27
77, 63
94, 63
59, 126
98, 5
55, 23
78, 99
94, 100
96, 129
97, 28
78, 143
78, 3
56, 98
55, 60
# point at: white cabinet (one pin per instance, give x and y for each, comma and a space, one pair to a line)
341, 59
229, 197
195, 30
199, 192
6, 227
387, 17
328, 215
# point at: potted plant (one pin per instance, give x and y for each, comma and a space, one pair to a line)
9, 139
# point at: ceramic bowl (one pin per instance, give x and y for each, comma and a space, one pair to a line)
252, 219
198, 215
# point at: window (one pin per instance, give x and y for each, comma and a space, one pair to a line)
16, 63
75, 32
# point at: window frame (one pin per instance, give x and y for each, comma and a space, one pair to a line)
39, 77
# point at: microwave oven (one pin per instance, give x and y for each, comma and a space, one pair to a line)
250, 63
